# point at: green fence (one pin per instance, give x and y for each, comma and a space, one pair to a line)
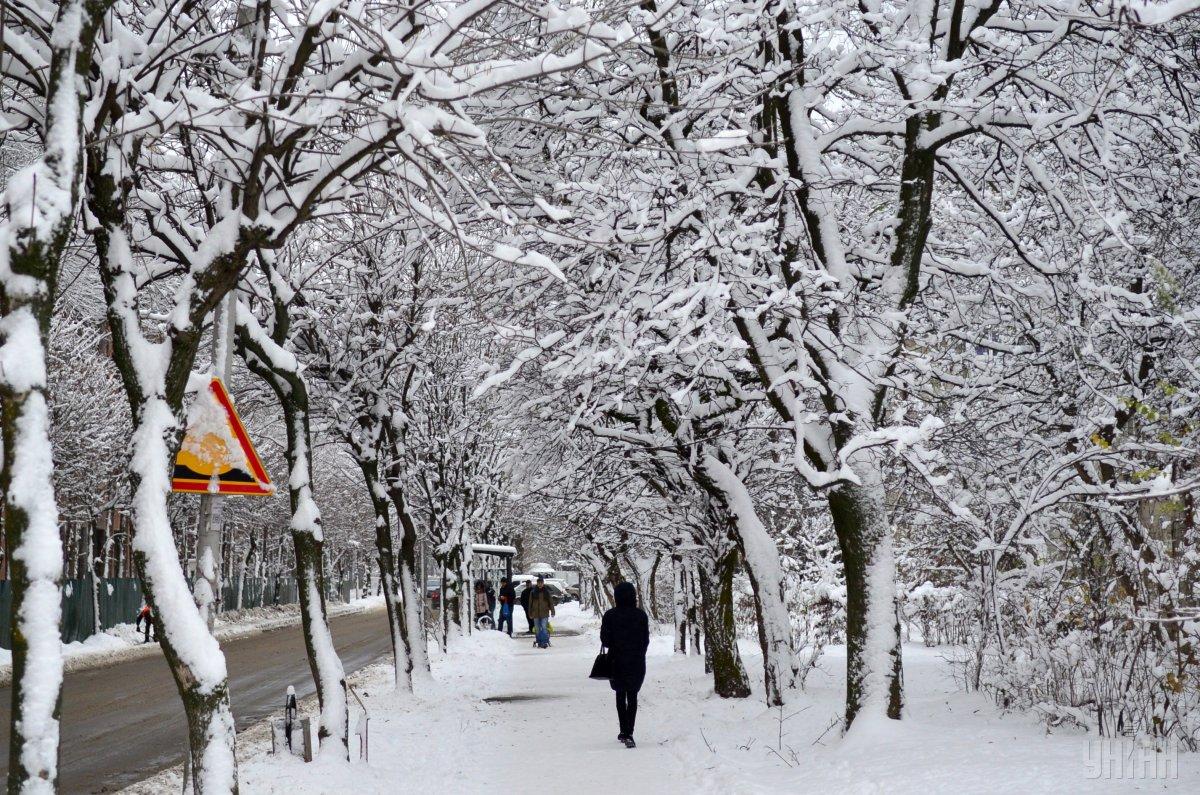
120, 598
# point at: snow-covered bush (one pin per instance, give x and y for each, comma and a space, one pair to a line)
938, 615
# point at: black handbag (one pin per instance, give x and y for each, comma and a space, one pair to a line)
602, 667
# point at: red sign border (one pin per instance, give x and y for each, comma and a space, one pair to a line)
262, 488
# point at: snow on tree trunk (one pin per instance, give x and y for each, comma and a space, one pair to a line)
35, 565
308, 542
266, 358
766, 578
193, 655
873, 661
720, 629
410, 585
678, 603
464, 614
693, 607
386, 558
155, 375
40, 203
642, 569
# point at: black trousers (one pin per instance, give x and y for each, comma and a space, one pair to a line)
626, 710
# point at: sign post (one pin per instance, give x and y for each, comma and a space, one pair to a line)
208, 533
216, 459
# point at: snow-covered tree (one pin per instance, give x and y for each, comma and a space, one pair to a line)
55, 46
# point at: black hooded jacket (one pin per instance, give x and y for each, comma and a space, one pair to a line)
625, 632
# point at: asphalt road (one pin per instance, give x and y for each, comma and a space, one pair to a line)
124, 722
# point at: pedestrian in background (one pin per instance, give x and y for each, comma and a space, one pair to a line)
541, 607
507, 598
625, 632
145, 621
525, 594
481, 603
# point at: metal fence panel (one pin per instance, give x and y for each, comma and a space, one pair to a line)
118, 600
77, 613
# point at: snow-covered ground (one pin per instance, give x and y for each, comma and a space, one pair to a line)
503, 716
125, 641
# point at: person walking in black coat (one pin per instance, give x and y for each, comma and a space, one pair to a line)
625, 632
525, 604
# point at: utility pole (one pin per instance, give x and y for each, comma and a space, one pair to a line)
207, 587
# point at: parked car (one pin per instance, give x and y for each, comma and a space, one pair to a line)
558, 588
433, 589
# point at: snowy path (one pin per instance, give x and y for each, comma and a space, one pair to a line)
505, 717
550, 710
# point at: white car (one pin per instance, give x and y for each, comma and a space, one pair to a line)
558, 588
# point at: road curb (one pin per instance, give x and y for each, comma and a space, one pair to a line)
111, 657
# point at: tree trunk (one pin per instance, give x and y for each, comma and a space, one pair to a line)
873, 661
678, 603
197, 664
33, 236
652, 595
31, 528
720, 628
241, 593
694, 620
411, 587
444, 616
387, 575
291, 390
761, 557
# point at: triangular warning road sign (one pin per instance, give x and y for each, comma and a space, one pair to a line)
216, 456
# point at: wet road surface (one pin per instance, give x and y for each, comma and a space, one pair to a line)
124, 722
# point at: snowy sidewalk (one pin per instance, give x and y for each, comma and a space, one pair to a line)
503, 716
554, 725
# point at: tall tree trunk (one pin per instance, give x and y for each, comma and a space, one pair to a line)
155, 377
694, 613
679, 603
761, 557
387, 573
241, 592
444, 612
195, 659
267, 359
652, 595
720, 628
410, 586
873, 661
41, 202
31, 528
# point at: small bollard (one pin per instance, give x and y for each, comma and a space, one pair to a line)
289, 714
309, 730
283, 728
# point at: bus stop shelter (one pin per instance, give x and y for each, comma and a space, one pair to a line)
489, 562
